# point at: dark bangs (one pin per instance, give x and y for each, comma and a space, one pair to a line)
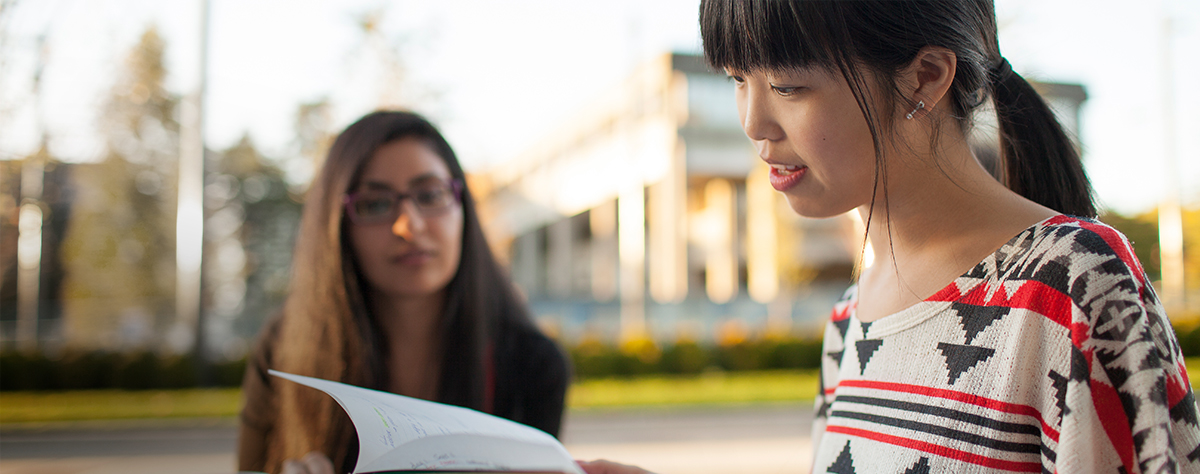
747, 35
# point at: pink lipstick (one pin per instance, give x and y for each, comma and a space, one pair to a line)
784, 177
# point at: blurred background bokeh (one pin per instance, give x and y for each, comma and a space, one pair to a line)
154, 157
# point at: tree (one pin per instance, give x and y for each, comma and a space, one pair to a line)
119, 247
251, 227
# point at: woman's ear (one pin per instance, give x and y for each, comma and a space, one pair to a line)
930, 74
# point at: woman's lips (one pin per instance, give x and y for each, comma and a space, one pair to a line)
786, 176
415, 257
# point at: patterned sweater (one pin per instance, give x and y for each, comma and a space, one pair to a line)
1051, 355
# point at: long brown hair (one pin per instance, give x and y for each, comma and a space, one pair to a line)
326, 329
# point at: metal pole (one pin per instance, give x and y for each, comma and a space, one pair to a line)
1170, 219
30, 220
29, 251
189, 220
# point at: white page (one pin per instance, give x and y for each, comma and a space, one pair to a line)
472, 453
386, 420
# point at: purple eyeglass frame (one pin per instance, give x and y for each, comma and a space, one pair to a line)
456, 187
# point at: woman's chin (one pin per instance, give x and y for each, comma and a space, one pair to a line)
814, 209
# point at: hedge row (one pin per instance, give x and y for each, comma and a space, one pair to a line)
596, 360
592, 359
106, 370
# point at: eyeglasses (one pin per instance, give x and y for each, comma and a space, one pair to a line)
377, 206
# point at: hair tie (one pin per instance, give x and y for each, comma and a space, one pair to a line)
1001, 71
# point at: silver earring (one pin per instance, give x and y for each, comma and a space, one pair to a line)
920, 105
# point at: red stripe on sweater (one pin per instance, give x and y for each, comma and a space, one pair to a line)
1175, 390
1032, 296
938, 450
963, 397
1112, 416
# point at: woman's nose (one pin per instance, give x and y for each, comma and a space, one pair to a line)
409, 222
757, 117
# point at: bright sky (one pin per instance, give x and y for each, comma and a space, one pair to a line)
499, 76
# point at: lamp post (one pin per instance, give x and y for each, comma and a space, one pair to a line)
189, 219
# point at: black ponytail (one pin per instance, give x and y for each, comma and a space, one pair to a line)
1038, 160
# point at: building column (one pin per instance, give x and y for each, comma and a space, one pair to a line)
668, 237
560, 240
721, 260
631, 248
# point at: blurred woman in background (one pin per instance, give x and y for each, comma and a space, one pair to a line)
393, 288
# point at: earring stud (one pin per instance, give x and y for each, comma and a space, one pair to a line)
920, 105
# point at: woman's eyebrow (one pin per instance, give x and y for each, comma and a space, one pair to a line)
426, 178
419, 179
375, 185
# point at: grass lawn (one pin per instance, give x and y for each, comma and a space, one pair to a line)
705, 389
36, 407
714, 388
650, 391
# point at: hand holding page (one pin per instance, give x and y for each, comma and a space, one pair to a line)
399, 433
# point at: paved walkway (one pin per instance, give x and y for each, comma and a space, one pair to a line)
759, 439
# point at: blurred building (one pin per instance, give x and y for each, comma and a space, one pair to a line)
101, 256
32, 225
650, 216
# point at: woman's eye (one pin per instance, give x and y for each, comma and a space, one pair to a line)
430, 197
375, 206
785, 90
737, 79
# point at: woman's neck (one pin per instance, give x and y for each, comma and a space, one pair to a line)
408, 318
411, 327
940, 216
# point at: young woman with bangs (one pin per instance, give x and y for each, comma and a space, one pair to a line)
1002, 328
393, 288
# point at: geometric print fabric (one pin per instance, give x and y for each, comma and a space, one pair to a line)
1051, 355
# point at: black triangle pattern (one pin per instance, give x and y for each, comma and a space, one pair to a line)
975, 319
921, 467
960, 358
844, 464
836, 356
1059, 382
823, 412
1184, 410
866, 327
842, 326
866, 349
1080, 371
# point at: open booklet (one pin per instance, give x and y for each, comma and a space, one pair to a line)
403, 434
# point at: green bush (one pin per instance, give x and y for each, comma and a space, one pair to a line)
87, 370
1189, 341
228, 373
26, 372
597, 361
139, 371
794, 354
179, 372
746, 355
96, 370
685, 357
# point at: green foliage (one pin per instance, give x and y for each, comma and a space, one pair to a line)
87, 370
1189, 341
105, 370
685, 357
1142, 232
596, 360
